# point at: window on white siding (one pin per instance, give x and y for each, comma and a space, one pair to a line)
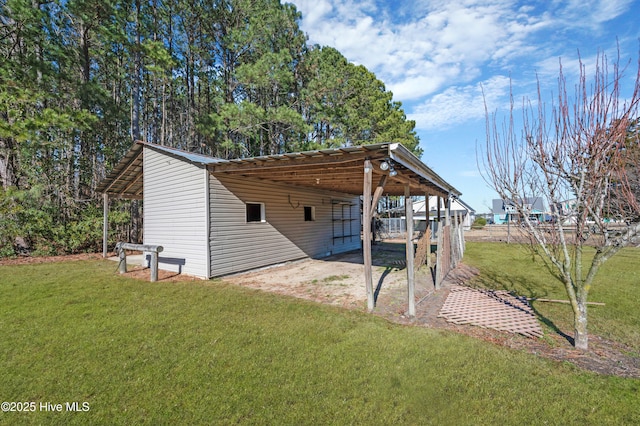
255, 212
309, 213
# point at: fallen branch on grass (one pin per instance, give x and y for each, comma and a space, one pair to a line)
561, 301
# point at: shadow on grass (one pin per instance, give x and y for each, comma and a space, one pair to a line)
387, 270
490, 279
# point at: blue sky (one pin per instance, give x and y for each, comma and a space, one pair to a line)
437, 56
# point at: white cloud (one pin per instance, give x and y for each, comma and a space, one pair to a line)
591, 14
438, 44
469, 173
459, 104
437, 51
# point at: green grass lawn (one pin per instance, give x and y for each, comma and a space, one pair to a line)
512, 267
209, 353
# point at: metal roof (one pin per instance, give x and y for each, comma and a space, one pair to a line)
338, 169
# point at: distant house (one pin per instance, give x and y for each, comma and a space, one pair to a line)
504, 210
565, 208
215, 217
458, 208
392, 214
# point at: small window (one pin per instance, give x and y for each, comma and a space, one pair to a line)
309, 214
255, 212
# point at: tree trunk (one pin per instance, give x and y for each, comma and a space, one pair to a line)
581, 338
137, 78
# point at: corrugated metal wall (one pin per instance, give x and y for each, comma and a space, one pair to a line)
175, 212
285, 235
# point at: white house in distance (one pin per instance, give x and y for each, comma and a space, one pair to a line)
215, 217
457, 208
393, 217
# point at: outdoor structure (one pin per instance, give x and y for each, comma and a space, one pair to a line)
215, 217
503, 211
391, 214
464, 213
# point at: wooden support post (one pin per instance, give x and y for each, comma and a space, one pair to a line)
366, 233
461, 234
154, 266
447, 211
378, 193
376, 197
427, 228
122, 266
439, 258
408, 203
105, 224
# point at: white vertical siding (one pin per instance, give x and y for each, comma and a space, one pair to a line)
238, 246
175, 212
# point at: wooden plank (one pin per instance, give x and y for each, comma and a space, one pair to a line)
408, 203
562, 301
378, 193
366, 233
105, 223
439, 246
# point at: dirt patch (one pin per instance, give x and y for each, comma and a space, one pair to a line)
133, 271
144, 274
336, 280
28, 260
497, 233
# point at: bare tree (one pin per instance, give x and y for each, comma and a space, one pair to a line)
581, 155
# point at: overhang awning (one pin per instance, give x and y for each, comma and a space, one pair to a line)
125, 180
338, 169
341, 170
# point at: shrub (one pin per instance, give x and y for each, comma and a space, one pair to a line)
479, 223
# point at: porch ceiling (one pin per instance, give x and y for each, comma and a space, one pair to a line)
340, 170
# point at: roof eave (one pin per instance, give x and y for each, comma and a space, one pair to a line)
400, 154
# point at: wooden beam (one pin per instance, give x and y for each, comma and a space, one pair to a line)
126, 168
296, 171
105, 223
378, 193
408, 203
439, 237
427, 228
366, 233
535, 299
133, 182
237, 166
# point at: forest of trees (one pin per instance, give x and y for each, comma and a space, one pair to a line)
80, 80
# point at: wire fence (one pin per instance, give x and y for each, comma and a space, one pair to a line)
395, 227
450, 241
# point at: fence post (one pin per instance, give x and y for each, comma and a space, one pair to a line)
439, 250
